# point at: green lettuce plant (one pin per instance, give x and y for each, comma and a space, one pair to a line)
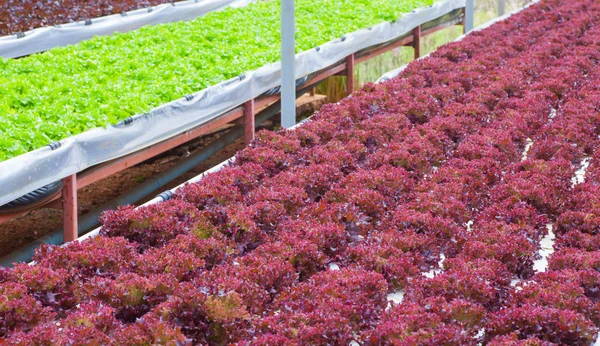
67, 90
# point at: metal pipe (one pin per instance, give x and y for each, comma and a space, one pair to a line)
288, 56
469, 15
501, 7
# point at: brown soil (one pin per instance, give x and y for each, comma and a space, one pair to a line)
23, 230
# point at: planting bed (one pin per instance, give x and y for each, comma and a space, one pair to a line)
19, 16
69, 90
65, 23
450, 205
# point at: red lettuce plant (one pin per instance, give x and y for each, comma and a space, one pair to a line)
417, 186
563, 327
153, 225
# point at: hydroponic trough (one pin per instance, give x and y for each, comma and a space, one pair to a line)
226, 96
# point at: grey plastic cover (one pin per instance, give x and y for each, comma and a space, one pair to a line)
35, 169
43, 39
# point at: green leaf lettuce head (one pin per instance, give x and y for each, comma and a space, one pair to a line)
65, 91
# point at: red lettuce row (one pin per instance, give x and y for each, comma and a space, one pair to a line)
303, 237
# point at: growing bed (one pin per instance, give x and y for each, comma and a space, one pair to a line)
28, 27
78, 88
65, 91
21, 16
18, 17
454, 204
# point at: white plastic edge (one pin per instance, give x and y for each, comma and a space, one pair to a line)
45, 38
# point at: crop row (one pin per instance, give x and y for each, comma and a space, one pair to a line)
437, 186
65, 91
20, 16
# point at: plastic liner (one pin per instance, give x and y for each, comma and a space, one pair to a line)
299, 84
40, 167
453, 17
32, 199
42, 39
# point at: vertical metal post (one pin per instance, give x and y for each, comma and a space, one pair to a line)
288, 54
249, 121
350, 74
69, 202
469, 15
417, 41
501, 7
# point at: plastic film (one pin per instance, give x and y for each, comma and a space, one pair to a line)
45, 38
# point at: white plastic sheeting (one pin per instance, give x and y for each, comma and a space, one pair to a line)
30, 171
43, 39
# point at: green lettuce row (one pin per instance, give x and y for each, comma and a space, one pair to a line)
67, 90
